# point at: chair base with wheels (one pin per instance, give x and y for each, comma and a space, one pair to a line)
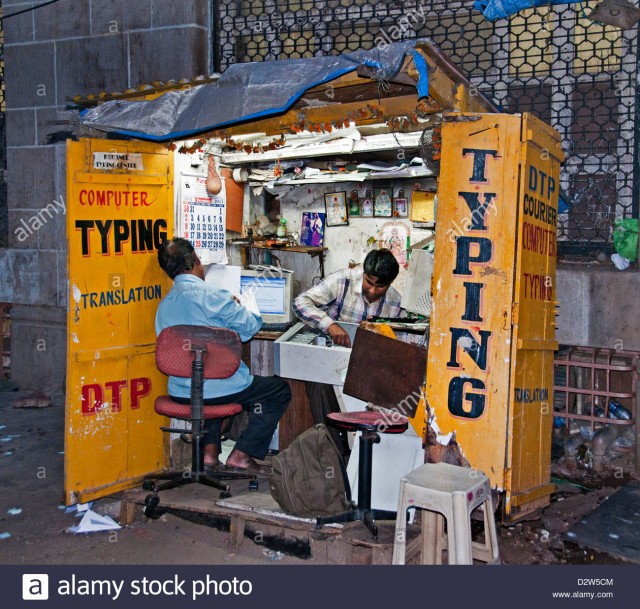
446, 494
196, 474
371, 424
213, 353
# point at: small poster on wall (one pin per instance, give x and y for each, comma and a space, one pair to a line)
393, 236
423, 207
354, 204
336, 206
312, 233
382, 202
400, 206
366, 205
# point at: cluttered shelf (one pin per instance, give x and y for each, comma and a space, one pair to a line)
313, 251
303, 249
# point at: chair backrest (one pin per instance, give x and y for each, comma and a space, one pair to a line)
175, 345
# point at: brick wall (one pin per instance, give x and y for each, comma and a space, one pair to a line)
72, 47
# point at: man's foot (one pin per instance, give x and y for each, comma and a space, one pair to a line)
211, 454
242, 462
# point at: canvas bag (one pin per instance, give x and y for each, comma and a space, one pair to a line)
309, 479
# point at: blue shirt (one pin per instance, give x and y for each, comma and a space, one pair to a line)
191, 301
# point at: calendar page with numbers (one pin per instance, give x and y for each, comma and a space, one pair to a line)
202, 218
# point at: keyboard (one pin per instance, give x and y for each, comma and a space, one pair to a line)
277, 327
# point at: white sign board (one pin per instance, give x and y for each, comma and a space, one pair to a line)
118, 160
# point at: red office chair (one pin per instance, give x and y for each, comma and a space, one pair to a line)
196, 352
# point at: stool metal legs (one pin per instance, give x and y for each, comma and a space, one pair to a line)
363, 512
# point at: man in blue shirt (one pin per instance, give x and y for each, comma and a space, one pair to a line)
191, 301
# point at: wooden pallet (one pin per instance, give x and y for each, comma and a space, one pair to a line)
254, 515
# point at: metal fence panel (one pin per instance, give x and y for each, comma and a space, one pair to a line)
577, 75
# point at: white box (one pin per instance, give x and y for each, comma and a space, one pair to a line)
301, 353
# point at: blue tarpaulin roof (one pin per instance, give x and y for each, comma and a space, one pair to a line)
498, 9
245, 91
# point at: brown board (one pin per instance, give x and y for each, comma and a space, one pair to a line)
386, 372
235, 199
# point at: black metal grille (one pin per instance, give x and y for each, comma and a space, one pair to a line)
576, 75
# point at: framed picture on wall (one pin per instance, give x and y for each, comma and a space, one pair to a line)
312, 233
423, 206
366, 205
383, 202
354, 204
336, 207
400, 206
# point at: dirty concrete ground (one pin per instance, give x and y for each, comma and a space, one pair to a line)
31, 480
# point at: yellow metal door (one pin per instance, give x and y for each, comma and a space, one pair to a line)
490, 367
529, 451
119, 209
473, 282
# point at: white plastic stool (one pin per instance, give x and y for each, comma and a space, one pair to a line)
446, 493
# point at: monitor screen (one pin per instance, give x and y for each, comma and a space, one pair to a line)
273, 294
269, 293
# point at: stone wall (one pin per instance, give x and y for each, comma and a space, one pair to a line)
52, 54
598, 307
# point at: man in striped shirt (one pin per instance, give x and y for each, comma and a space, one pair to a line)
351, 295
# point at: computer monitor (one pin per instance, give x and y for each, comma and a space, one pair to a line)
273, 292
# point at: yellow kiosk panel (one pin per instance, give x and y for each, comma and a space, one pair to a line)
490, 367
120, 208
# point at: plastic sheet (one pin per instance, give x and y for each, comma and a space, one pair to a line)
245, 91
498, 9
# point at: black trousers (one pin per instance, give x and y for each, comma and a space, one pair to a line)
265, 400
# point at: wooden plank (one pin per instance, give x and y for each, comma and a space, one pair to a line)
238, 524
381, 554
339, 552
332, 544
388, 108
369, 91
127, 512
361, 556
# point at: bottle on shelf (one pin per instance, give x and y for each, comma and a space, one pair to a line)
281, 233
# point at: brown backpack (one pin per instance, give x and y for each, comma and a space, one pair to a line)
308, 478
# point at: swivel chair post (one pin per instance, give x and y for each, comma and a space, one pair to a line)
365, 453
197, 392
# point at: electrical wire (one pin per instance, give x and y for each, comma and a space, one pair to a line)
26, 10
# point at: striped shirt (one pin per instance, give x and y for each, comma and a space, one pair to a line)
339, 297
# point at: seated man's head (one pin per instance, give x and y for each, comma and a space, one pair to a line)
177, 256
380, 269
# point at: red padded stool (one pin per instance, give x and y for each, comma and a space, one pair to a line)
198, 353
371, 424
